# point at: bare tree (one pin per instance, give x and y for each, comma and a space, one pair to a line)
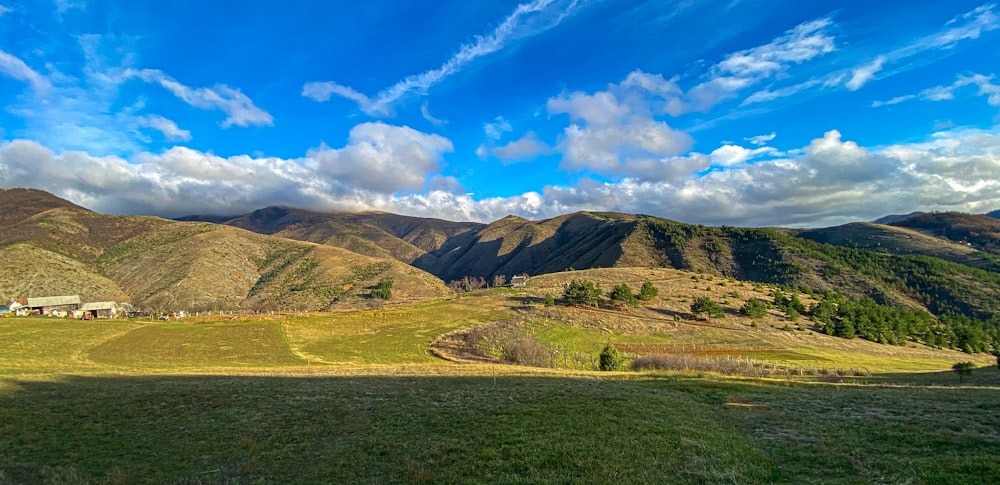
499, 280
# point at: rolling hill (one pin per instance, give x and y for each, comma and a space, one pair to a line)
49, 246
981, 232
900, 265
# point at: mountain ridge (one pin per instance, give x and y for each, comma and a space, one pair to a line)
51, 246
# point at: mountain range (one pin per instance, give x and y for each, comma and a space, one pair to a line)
282, 256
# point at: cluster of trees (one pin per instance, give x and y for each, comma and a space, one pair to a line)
383, 290
865, 318
583, 292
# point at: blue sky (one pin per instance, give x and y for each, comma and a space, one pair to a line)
718, 112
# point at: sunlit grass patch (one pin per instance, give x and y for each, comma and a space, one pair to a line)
251, 344
47, 345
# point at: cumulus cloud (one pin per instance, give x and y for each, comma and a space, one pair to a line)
527, 20
495, 129
239, 108
15, 68
611, 130
830, 181
377, 161
523, 149
382, 158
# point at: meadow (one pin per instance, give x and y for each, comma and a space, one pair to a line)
359, 397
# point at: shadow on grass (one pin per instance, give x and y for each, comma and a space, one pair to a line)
979, 377
239, 429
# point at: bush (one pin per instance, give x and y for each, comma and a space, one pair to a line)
581, 292
648, 291
611, 359
754, 308
383, 290
549, 300
705, 305
621, 295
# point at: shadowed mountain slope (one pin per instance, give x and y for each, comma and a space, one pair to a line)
979, 231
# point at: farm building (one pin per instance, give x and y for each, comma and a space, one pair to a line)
100, 309
46, 305
519, 281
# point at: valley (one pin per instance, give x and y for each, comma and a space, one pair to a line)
290, 369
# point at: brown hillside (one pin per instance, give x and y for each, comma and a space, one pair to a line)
896, 240
981, 232
19, 204
167, 265
374, 234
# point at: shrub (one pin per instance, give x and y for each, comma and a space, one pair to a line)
621, 295
549, 300
754, 308
648, 291
705, 305
582, 292
383, 290
611, 359
963, 369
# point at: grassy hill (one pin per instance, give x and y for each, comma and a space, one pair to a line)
59, 248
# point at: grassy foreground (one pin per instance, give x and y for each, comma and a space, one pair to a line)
508, 429
359, 398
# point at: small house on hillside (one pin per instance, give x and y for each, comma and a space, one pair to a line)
100, 309
46, 305
519, 281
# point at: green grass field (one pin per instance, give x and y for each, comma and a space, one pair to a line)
359, 398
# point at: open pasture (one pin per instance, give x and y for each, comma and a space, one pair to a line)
358, 397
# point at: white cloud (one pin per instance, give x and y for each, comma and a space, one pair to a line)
63, 6
800, 44
169, 129
377, 161
14, 68
527, 20
382, 158
861, 75
239, 108
523, 149
495, 129
749, 67
946, 93
728, 155
968, 26
426, 113
830, 181
4, 10
612, 131
765, 95
761, 140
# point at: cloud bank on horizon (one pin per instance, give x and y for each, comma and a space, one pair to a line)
708, 112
